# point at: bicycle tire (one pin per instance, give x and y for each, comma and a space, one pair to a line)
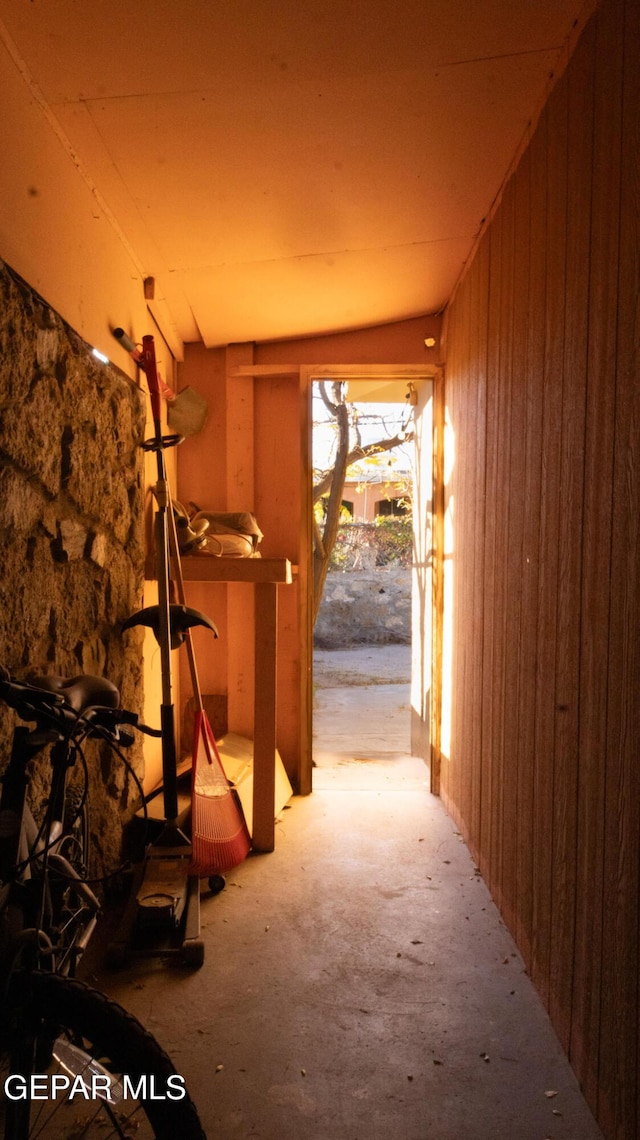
60, 1015
69, 913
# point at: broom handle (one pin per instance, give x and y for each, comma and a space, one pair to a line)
177, 567
171, 540
191, 653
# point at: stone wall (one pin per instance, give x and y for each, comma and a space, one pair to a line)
365, 607
71, 522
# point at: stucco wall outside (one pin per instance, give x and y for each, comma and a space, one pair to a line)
365, 607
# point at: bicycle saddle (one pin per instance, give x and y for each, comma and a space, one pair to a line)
82, 692
181, 619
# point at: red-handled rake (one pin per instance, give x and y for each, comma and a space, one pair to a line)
163, 915
219, 835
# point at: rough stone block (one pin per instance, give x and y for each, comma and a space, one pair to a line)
71, 525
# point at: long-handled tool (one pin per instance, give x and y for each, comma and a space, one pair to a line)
163, 916
219, 836
186, 410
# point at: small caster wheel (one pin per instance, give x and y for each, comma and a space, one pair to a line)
193, 953
217, 883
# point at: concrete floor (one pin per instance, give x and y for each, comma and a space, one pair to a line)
358, 983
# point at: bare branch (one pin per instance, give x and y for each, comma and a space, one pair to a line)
331, 483
332, 408
317, 536
324, 483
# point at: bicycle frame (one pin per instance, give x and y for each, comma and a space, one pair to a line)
32, 863
51, 1022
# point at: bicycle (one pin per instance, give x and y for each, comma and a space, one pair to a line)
73, 1062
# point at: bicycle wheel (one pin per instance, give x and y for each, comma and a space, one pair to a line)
73, 904
78, 1065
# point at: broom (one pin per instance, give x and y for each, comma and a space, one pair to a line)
219, 836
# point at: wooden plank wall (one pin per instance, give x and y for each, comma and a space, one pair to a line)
238, 462
542, 398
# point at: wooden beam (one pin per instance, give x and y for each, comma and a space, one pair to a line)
340, 371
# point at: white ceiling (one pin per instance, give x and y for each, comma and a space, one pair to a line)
285, 168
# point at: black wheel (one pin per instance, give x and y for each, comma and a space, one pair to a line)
216, 884
99, 1072
73, 904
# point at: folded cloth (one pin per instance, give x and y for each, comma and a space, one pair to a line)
221, 534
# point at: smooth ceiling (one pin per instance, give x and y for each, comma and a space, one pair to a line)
285, 169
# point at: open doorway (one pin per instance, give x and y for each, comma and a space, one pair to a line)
370, 621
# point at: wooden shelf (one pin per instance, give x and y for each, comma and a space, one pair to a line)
266, 575
202, 568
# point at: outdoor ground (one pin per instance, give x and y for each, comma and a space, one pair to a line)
361, 716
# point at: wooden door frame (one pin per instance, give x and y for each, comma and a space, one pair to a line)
305, 375
400, 373
437, 603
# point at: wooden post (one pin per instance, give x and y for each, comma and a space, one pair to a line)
438, 578
265, 716
240, 496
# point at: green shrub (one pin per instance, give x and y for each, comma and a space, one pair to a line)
388, 540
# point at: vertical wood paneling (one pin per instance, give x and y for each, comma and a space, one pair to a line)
502, 381
459, 469
461, 493
531, 372
619, 1059
543, 391
629, 345
518, 284
552, 324
278, 506
490, 790
449, 476
596, 572
479, 302
567, 711
467, 358
501, 768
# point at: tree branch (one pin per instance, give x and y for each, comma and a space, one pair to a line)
325, 482
332, 408
331, 483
